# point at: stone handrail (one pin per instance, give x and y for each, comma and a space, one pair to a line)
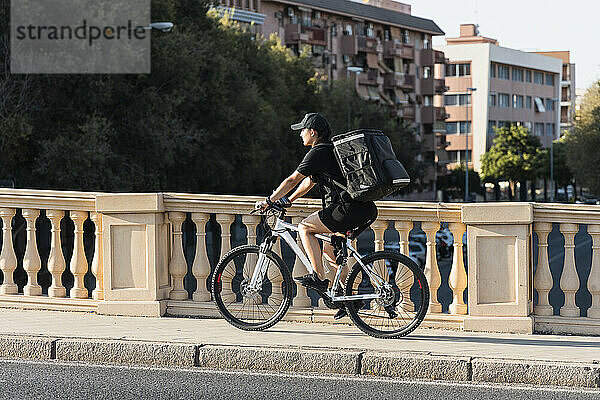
152, 253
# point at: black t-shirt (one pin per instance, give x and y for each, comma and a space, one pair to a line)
320, 164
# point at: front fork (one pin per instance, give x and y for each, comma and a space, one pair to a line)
260, 269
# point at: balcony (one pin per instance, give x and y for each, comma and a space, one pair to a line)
425, 57
408, 112
427, 115
295, 33
427, 87
439, 57
368, 45
371, 78
314, 35
349, 45
394, 80
440, 113
439, 86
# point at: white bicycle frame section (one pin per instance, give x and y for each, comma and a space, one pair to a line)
282, 230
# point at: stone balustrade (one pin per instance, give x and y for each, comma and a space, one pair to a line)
531, 266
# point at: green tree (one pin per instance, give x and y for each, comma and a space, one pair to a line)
453, 184
515, 157
583, 142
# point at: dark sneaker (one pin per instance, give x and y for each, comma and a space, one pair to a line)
341, 313
312, 281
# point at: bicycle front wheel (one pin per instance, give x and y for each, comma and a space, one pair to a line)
243, 306
403, 298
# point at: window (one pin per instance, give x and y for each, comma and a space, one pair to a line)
426, 41
387, 34
492, 100
538, 78
333, 29
405, 36
492, 70
517, 101
464, 99
427, 72
370, 32
549, 105
450, 100
458, 69
427, 101
539, 105
538, 129
465, 126
550, 130
550, 79
306, 18
451, 128
503, 124
348, 30
517, 74
464, 69
528, 76
503, 100
528, 102
491, 126
503, 72
334, 61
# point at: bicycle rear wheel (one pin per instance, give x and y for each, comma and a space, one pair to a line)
243, 307
402, 304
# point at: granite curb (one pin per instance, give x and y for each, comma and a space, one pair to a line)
422, 366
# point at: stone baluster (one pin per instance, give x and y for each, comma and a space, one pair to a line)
97, 261
431, 267
542, 282
379, 227
274, 275
404, 284
301, 299
79, 264
404, 228
8, 259
31, 260
177, 265
56, 259
225, 221
458, 275
201, 265
569, 281
594, 278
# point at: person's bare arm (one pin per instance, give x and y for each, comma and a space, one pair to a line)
288, 184
304, 188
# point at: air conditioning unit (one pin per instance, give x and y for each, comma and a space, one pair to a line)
290, 12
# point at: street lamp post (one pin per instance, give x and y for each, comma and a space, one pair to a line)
468, 126
349, 69
555, 101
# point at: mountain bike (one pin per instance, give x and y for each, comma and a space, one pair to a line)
385, 294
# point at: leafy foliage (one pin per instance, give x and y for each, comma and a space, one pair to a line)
583, 142
453, 184
212, 117
515, 156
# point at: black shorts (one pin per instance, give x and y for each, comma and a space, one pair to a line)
344, 217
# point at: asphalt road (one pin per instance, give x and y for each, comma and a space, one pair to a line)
51, 380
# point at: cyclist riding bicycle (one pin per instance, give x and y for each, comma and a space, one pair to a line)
340, 214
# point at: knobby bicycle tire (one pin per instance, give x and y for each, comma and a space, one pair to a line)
228, 281
409, 298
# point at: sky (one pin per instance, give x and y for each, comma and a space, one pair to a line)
529, 25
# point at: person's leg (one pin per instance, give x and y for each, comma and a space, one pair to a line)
330, 256
310, 226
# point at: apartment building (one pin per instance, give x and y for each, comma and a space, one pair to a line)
382, 48
492, 86
567, 89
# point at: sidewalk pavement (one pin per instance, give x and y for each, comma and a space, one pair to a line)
429, 354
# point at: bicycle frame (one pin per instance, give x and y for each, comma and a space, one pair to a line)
282, 230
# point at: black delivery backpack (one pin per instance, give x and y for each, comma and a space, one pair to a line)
369, 164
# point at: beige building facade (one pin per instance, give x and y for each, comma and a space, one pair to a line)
492, 86
382, 48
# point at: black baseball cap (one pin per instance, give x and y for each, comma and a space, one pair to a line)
314, 121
